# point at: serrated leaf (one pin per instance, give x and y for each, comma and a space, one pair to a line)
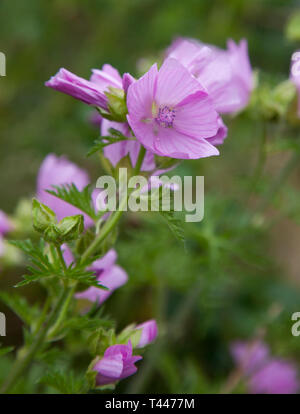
104, 141
80, 199
66, 383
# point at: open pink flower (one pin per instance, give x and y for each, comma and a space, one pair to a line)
171, 114
226, 74
149, 332
57, 171
108, 274
117, 363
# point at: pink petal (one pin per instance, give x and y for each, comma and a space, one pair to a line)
140, 96
195, 116
221, 134
149, 332
108, 76
110, 366
174, 83
82, 89
172, 143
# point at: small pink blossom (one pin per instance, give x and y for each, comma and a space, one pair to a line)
149, 332
264, 374
108, 274
57, 171
117, 363
275, 377
171, 114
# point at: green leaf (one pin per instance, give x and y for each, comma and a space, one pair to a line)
104, 141
41, 266
66, 383
175, 224
80, 199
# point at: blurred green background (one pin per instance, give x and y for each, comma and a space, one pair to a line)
225, 283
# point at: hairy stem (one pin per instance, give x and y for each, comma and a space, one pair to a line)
115, 217
26, 355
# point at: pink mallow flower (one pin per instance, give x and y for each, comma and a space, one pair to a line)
91, 92
117, 363
60, 171
148, 334
226, 74
115, 152
171, 114
264, 374
275, 377
107, 273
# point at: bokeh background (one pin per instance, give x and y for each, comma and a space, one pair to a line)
238, 274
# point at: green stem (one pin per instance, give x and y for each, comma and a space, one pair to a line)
280, 179
58, 313
26, 355
61, 258
115, 217
139, 161
55, 328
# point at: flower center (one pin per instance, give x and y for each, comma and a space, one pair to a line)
165, 116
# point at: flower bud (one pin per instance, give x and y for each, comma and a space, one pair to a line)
117, 104
70, 228
42, 216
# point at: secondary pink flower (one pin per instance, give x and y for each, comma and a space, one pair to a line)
295, 74
115, 152
149, 332
249, 356
264, 374
108, 274
171, 114
275, 377
226, 74
117, 363
60, 171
